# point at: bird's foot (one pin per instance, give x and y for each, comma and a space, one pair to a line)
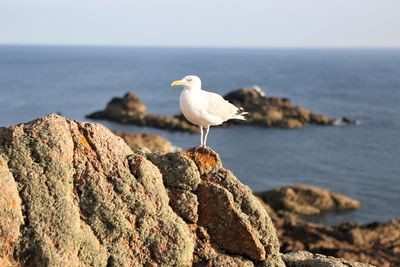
201, 147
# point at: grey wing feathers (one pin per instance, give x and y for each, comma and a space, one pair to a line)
218, 106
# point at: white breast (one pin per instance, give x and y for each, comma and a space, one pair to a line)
194, 108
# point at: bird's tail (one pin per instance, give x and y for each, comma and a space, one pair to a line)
240, 114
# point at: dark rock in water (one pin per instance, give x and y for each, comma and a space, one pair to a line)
74, 194
263, 111
130, 102
273, 111
305, 258
306, 199
130, 110
347, 120
153, 142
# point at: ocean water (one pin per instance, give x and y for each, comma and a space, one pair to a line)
362, 161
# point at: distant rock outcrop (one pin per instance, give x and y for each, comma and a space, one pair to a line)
153, 142
130, 110
273, 111
74, 194
306, 199
263, 111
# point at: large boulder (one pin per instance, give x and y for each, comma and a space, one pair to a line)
306, 199
74, 194
230, 221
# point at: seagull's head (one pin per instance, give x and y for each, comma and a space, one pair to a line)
188, 82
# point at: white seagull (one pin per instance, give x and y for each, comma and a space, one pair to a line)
204, 108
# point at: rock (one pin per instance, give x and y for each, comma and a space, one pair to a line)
185, 204
87, 200
273, 111
240, 236
345, 121
178, 170
10, 215
305, 199
87, 203
130, 102
304, 258
263, 111
246, 97
153, 142
321, 119
293, 123
375, 243
207, 162
130, 110
231, 221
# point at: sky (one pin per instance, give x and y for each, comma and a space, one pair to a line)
205, 23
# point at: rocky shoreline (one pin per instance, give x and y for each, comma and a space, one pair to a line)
263, 111
373, 243
75, 194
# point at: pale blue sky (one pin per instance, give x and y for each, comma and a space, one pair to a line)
227, 23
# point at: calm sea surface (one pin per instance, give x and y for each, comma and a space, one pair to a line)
362, 161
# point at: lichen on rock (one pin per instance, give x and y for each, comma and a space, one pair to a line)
81, 203
74, 194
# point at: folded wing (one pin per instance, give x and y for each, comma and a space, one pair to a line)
218, 106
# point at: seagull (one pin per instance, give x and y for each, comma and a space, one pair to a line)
204, 108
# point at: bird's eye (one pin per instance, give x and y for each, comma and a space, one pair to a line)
189, 79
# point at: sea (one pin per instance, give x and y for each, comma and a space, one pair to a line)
361, 161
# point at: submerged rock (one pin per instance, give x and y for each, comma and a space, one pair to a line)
76, 195
263, 111
306, 199
153, 142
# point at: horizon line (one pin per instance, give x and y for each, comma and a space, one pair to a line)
198, 46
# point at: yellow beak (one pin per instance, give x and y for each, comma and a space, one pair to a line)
178, 82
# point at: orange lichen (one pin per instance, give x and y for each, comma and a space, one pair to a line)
206, 160
84, 142
6, 258
7, 262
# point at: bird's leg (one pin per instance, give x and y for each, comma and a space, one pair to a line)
207, 129
201, 137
